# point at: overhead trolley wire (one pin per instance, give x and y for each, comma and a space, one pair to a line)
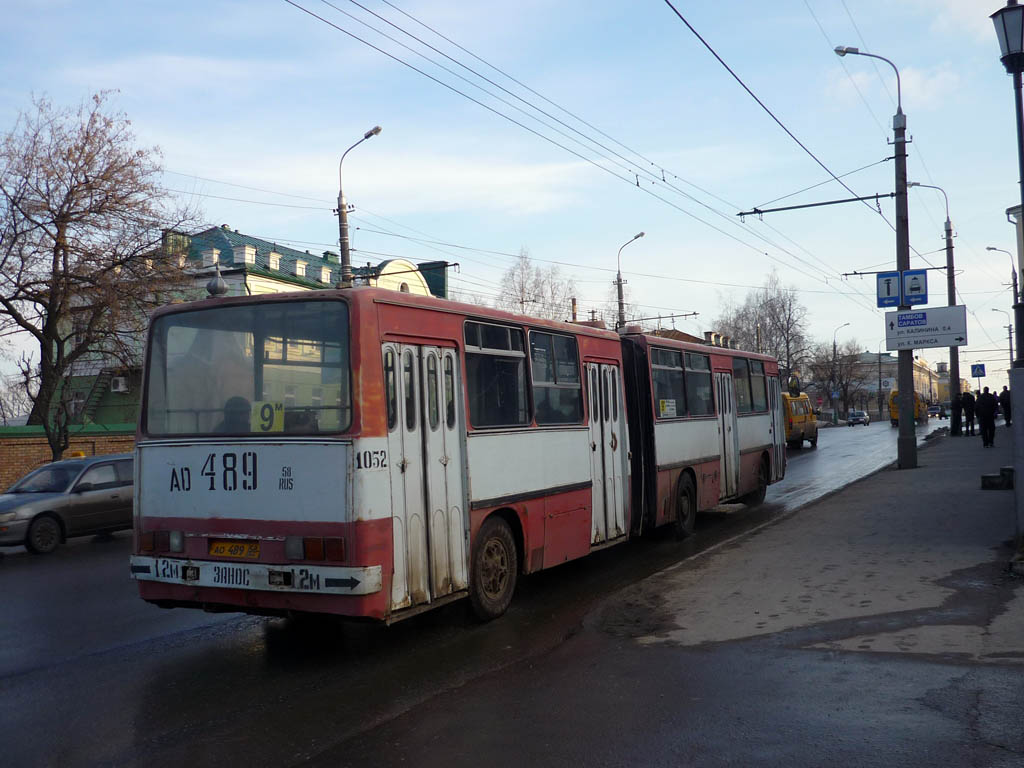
647, 173
561, 146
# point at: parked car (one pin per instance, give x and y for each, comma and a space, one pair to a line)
858, 417
801, 423
74, 497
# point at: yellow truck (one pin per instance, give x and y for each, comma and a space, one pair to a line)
920, 408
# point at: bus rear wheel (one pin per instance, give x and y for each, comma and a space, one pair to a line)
686, 507
755, 497
494, 571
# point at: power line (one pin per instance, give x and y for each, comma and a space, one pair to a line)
571, 151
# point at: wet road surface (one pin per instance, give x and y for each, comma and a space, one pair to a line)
89, 674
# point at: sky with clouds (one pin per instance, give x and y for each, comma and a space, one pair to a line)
255, 101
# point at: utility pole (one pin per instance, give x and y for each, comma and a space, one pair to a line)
906, 441
618, 280
879, 385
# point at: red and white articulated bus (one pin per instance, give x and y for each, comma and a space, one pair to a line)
371, 454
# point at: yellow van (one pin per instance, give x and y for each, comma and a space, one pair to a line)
801, 423
920, 408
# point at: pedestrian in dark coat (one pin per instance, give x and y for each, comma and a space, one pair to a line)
986, 409
1007, 405
958, 410
968, 403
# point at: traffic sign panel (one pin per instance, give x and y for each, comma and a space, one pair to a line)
924, 328
915, 287
978, 371
888, 289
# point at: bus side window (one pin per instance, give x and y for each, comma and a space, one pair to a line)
741, 377
758, 392
699, 398
557, 390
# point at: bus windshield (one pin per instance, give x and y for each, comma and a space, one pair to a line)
250, 369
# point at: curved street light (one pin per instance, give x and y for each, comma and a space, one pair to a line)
618, 279
906, 441
346, 260
832, 398
1009, 330
954, 352
1013, 269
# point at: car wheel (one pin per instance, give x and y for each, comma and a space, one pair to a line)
44, 535
814, 441
494, 570
754, 498
794, 443
686, 507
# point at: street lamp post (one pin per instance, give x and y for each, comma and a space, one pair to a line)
906, 441
1009, 331
618, 280
832, 391
1009, 25
954, 352
880, 401
346, 257
1013, 270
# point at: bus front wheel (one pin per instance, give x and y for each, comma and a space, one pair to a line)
494, 570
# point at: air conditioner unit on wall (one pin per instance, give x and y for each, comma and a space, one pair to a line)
119, 384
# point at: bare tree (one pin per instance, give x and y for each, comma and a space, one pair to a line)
82, 215
840, 372
772, 320
14, 400
532, 290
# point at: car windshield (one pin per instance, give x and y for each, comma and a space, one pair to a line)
52, 479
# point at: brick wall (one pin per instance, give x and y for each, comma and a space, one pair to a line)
24, 448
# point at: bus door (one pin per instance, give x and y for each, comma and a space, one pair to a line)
426, 458
778, 429
607, 453
730, 436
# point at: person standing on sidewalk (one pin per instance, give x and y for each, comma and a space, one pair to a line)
986, 409
968, 402
1006, 404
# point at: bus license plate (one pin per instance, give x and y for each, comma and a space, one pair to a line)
245, 550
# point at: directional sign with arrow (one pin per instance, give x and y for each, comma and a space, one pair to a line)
924, 328
888, 289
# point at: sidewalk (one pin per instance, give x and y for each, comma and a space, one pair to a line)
900, 562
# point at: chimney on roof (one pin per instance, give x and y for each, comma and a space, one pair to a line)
725, 341
707, 337
332, 257
244, 254
225, 226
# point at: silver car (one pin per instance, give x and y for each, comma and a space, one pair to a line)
67, 498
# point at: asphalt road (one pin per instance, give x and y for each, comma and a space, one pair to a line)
89, 674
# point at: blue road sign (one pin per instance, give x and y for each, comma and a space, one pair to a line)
914, 286
978, 371
888, 289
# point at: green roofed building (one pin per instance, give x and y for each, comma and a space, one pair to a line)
105, 391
